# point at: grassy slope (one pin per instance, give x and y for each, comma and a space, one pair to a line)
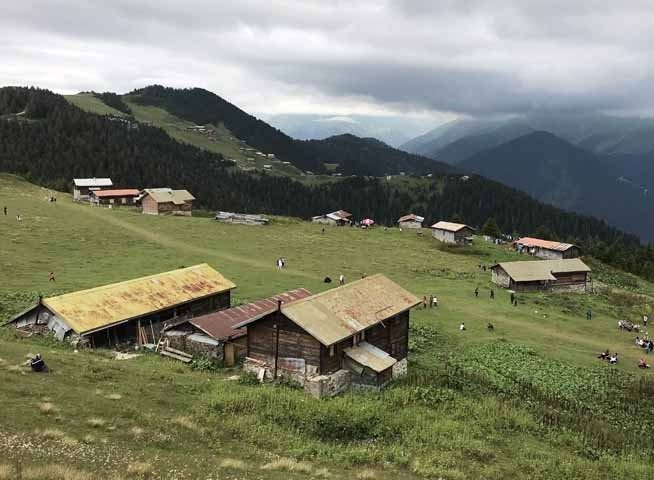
456, 438
89, 103
224, 142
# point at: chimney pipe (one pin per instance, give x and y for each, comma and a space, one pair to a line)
279, 305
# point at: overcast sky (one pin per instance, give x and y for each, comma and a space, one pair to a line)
410, 57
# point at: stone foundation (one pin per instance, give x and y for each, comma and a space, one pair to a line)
400, 368
331, 385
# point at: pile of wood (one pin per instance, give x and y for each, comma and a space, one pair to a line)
176, 354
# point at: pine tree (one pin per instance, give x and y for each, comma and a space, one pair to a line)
491, 228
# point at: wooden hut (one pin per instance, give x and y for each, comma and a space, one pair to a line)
547, 248
112, 314
338, 218
83, 186
410, 221
212, 335
354, 335
115, 198
569, 275
165, 201
449, 232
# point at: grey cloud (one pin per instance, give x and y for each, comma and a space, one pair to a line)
461, 56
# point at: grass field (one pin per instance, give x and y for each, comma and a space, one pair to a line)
458, 415
90, 103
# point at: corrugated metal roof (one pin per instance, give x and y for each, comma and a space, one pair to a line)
101, 307
370, 356
126, 192
547, 244
450, 227
165, 195
92, 182
541, 270
222, 324
339, 313
411, 216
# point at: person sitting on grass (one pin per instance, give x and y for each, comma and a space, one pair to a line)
637, 342
642, 364
613, 359
462, 327
604, 355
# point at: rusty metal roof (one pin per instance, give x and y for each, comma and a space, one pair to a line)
370, 356
450, 227
547, 244
222, 324
541, 270
165, 195
126, 192
90, 310
339, 313
411, 216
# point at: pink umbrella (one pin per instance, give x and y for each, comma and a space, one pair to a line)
367, 222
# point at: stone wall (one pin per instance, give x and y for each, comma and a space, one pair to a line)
330, 385
569, 288
400, 368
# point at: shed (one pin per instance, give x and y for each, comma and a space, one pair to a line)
410, 221
165, 201
109, 315
338, 218
551, 275
549, 249
449, 232
125, 196
83, 186
229, 343
242, 218
310, 337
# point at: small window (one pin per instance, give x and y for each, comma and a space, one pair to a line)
331, 350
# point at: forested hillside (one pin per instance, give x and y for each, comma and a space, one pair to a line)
353, 155
51, 141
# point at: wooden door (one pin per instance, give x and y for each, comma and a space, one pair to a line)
230, 355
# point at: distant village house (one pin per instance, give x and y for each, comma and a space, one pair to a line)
449, 232
547, 248
354, 336
339, 218
83, 186
213, 336
242, 218
165, 201
410, 221
114, 197
112, 315
570, 275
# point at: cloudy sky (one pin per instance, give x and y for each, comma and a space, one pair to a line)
440, 58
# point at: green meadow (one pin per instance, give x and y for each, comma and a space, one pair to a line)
529, 400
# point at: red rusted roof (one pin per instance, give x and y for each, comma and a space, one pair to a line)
127, 192
547, 244
219, 325
411, 216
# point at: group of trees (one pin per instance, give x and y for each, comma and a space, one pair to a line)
54, 142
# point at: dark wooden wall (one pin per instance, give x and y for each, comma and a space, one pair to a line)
294, 342
392, 336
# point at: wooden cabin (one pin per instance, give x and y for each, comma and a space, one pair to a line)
359, 331
212, 335
338, 218
449, 232
410, 221
547, 249
114, 198
165, 201
82, 187
111, 315
570, 275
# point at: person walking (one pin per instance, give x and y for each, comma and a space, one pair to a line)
476, 291
512, 297
341, 279
492, 294
52, 277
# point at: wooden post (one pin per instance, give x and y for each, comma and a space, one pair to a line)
154, 339
276, 350
139, 333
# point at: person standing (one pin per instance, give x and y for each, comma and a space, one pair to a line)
476, 291
645, 320
341, 279
589, 314
512, 297
5, 211
52, 277
492, 294
424, 302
